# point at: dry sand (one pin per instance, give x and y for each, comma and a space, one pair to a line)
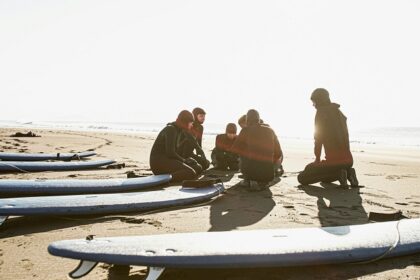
391, 177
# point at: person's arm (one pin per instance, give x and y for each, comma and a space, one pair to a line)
318, 135
278, 153
239, 145
170, 144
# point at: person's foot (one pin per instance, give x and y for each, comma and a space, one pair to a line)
254, 186
343, 178
351, 176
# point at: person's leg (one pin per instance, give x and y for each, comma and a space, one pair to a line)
178, 170
258, 170
323, 172
232, 161
351, 176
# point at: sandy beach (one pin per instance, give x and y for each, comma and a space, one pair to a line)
391, 176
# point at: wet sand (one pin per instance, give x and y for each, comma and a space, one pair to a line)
390, 176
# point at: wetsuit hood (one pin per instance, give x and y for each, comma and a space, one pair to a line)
252, 117
231, 128
321, 97
183, 119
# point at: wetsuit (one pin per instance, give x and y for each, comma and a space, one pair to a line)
222, 156
258, 147
331, 133
165, 157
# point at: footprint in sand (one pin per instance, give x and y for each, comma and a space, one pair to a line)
27, 264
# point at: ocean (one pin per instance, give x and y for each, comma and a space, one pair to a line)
392, 136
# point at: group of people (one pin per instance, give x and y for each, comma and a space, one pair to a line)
256, 150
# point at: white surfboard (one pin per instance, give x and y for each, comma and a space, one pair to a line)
257, 248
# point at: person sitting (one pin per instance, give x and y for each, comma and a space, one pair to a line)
165, 157
331, 133
194, 142
259, 150
222, 157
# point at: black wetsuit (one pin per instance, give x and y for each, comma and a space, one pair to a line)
166, 159
331, 133
222, 157
194, 142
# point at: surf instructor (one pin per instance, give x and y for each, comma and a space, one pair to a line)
165, 155
331, 133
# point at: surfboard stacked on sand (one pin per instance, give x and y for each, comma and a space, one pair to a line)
92, 196
24, 162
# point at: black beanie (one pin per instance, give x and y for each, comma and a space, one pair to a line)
252, 117
321, 97
231, 128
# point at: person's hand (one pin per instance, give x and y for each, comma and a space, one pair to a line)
190, 161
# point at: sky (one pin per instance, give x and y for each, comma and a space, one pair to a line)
144, 61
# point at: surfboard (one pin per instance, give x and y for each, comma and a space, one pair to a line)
79, 186
41, 157
29, 166
256, 248
106, 203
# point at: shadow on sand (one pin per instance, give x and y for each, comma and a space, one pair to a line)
337, 206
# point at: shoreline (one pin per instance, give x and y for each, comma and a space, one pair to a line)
391, 180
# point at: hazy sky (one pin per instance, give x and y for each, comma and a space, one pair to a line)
144, 61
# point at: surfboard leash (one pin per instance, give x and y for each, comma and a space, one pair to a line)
15, 167
390, 249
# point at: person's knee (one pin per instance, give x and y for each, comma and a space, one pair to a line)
302, 179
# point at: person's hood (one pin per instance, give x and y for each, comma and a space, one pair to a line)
329, 107
321, 97
184, 117
252, 117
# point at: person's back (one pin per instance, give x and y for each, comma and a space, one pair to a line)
332, 133
258, 146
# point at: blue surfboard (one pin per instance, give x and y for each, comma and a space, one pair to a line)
79, 186
106, 203
41, 157
28, 166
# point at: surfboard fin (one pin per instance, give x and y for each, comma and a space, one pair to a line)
82, 269
154, 272
3, 219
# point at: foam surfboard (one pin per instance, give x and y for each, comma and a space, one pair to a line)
257, 248
79, 186
106, 203
41, 157
29, 166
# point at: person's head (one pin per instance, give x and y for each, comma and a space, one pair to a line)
320, 97
185, 120
199, 115
242, 121
231, 130
252, 117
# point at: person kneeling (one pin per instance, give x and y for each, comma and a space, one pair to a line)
259, 150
